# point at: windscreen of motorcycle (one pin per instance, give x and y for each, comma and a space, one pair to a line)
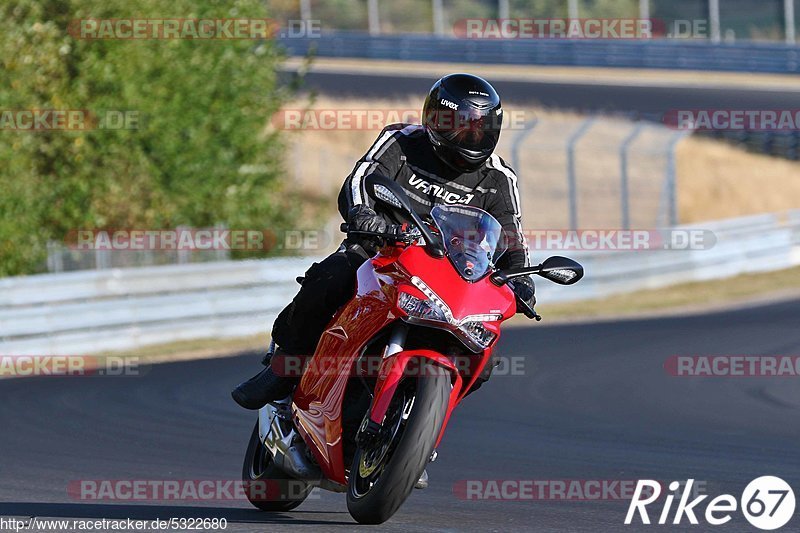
472, 239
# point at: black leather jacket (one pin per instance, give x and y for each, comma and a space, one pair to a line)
403, 153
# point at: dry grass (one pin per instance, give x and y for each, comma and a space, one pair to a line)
196, 349
320, 159
715, 180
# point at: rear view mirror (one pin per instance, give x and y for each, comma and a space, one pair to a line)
384, 194
387, 191
561, 270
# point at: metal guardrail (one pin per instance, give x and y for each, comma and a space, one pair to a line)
759, 243
99, 310
93, 311
659, 54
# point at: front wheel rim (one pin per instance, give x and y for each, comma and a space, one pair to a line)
373, 461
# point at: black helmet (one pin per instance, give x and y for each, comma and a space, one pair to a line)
462, 115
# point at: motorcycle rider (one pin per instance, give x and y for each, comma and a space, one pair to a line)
448, 159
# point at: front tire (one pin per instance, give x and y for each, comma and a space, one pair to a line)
268, 487
378, 487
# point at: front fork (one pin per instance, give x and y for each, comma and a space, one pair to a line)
392, 370
387, 376
397, 340
369, 426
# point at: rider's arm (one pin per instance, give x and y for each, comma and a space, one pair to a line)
355, 205
383, 157
505, 207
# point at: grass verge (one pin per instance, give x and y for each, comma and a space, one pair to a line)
695, 296
196, 349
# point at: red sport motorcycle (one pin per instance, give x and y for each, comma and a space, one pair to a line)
418, 334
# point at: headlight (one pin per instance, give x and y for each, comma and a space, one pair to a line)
434, 300
417, 308
477, 332
471, 330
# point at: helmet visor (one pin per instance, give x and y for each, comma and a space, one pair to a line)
471, 130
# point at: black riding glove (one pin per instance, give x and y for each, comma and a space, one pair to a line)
525, 289
363, 218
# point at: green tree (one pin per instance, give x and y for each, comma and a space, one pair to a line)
201, 154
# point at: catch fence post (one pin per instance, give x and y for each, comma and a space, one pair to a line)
624, 189
572, 182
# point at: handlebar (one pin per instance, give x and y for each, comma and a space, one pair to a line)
524, 306
395, 232
527, 310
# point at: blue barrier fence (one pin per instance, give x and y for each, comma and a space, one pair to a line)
659, 54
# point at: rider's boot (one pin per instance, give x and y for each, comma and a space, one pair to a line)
264, 387
422, 482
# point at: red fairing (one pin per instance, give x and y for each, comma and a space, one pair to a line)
318, 399
463, 298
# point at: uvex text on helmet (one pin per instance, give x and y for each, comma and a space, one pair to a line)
463, 116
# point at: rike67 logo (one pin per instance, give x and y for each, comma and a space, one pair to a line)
767, 503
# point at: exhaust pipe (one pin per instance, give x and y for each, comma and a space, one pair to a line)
288, 449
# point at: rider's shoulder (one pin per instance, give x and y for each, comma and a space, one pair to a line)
397, 138
497, 167
407, 129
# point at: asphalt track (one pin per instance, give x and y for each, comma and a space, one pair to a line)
593, 403
648, 101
